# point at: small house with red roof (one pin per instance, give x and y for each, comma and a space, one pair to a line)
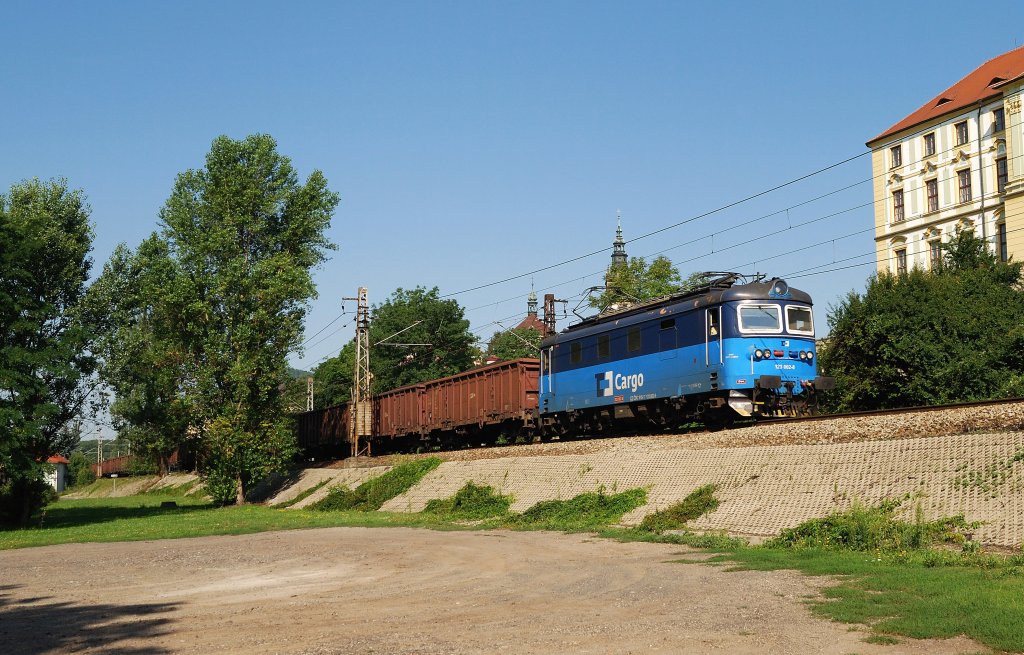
57, 477
953, 164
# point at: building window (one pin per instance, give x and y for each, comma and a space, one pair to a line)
964, 181
1001, 174
929, 144
901, 261
932, 188
1003, 254
897, 206
896, 155
999, 118
961, 133
934, 253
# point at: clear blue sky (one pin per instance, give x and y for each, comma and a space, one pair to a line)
474, 141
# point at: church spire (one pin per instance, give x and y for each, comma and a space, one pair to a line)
618, 246
531, 302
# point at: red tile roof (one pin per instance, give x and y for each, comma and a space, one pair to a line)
980, 84
531, 321
57, 459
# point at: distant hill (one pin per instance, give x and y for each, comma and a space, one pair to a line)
295, 373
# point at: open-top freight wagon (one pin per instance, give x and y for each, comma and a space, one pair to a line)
481, 406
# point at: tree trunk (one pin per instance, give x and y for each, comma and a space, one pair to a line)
240, 495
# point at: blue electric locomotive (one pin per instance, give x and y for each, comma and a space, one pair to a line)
711, 354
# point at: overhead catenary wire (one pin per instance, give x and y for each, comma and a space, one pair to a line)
775, 213
720, 248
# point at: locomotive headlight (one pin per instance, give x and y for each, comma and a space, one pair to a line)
803, 354
810, 355
767, 354
758, 354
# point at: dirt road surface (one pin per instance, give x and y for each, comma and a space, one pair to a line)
405, 591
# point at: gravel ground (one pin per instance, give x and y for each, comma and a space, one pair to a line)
404, 591
905, 425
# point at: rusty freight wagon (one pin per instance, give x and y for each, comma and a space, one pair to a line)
398, 414
323, 433
479, 406
482, 405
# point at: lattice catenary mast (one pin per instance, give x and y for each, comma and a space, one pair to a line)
361, 414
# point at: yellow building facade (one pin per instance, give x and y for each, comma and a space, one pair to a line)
956, 163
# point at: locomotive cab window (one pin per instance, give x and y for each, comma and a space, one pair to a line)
799, 320
765, 319
713, 319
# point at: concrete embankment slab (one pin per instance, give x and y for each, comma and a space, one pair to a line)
309, 478
765, 489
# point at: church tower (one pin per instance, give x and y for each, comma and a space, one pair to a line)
618, 246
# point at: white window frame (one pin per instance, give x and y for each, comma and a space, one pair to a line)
746, 330
810, 311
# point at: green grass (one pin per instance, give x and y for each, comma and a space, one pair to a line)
874, 528
582, 513
137, 518
698, 503
370, 495
472, 502
302, 496
906, 595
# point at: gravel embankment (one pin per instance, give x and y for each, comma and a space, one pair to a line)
907, 425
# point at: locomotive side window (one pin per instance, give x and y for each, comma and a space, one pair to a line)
633, 341
760, 318
667, 335
799, 321
604, 346
575, 352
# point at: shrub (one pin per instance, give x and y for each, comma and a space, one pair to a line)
584, 512
699, 502
863, 528
370, 495
471, 502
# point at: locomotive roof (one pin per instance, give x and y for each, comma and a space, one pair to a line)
701, 297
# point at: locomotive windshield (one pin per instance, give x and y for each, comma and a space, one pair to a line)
760, 318
798, 320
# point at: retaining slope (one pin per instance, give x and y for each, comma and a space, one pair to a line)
765, 489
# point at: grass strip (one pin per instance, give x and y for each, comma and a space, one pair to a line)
472, 502
581, 513
907, 597
699, 502
372, 494
303, 495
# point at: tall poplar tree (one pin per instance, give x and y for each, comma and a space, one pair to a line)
245, 235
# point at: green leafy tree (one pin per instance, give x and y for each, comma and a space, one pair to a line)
79, 470
45, 352
637, 281
142, 361
515, 343
415, 336
923, 338
244, 235
332, 379
438, 325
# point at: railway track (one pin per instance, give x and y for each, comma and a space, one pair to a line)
877, 425
888, 412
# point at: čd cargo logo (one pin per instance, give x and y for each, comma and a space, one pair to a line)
609, 382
